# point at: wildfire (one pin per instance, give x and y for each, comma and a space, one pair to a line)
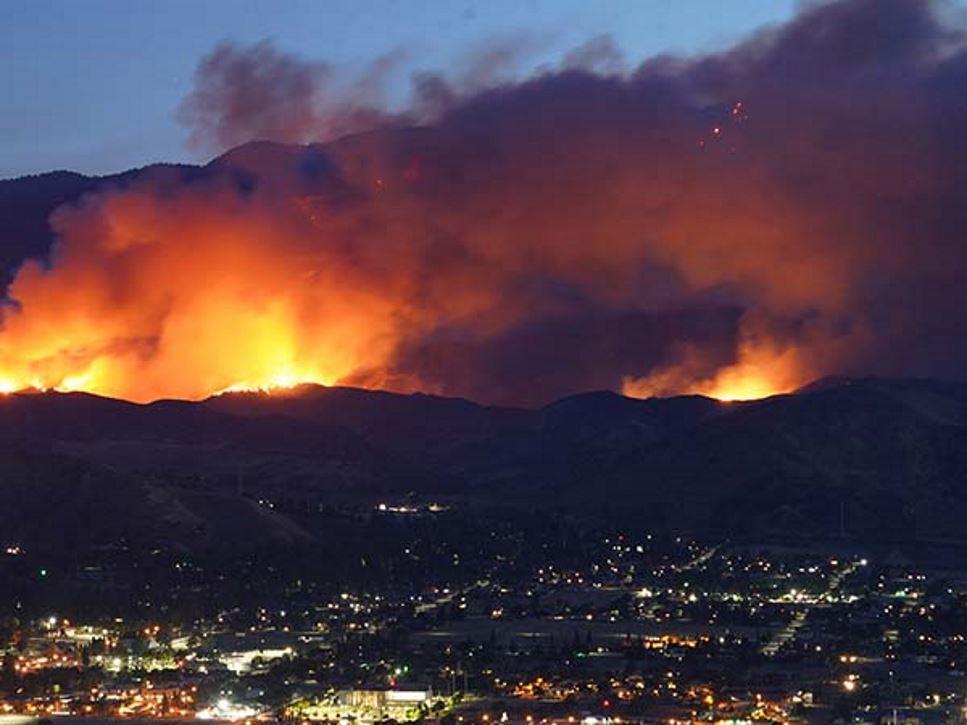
152, 299
559, 235
738, 386
10, 386
196, 294
762, 370
275, 383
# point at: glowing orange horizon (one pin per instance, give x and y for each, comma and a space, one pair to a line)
726, 391
86, 383
746, 389
273, 385
763, 369
273, 361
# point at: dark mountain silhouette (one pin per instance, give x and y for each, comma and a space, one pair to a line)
25, 207
888, 457
861, 458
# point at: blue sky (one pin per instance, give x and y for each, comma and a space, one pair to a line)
92, 85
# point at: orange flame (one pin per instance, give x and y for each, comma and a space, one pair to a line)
762, 370
133, 310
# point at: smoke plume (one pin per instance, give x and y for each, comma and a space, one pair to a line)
733, 224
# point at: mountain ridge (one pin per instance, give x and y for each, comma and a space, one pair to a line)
891, 453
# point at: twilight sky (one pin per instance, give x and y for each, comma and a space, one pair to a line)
93, 86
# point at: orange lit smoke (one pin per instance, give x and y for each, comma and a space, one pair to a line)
734, 226
154, 293
762, 369
149, 300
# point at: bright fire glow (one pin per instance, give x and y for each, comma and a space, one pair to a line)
134, 311
280, 381
738, 387
762, 370
9, 386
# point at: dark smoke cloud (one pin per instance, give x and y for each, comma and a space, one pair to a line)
261, 93
736, 223
523, 363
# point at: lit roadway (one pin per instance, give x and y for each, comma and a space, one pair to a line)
788, 633
428, 607
701, 558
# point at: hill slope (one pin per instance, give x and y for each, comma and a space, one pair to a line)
874, 459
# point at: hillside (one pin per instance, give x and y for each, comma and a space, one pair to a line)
874, 459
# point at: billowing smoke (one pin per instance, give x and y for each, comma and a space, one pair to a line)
260, 93
734, 224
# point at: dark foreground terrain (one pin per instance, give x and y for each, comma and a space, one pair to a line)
871, 460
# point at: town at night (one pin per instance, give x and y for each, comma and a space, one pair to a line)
491, 615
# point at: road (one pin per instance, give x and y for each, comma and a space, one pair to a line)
788, 634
